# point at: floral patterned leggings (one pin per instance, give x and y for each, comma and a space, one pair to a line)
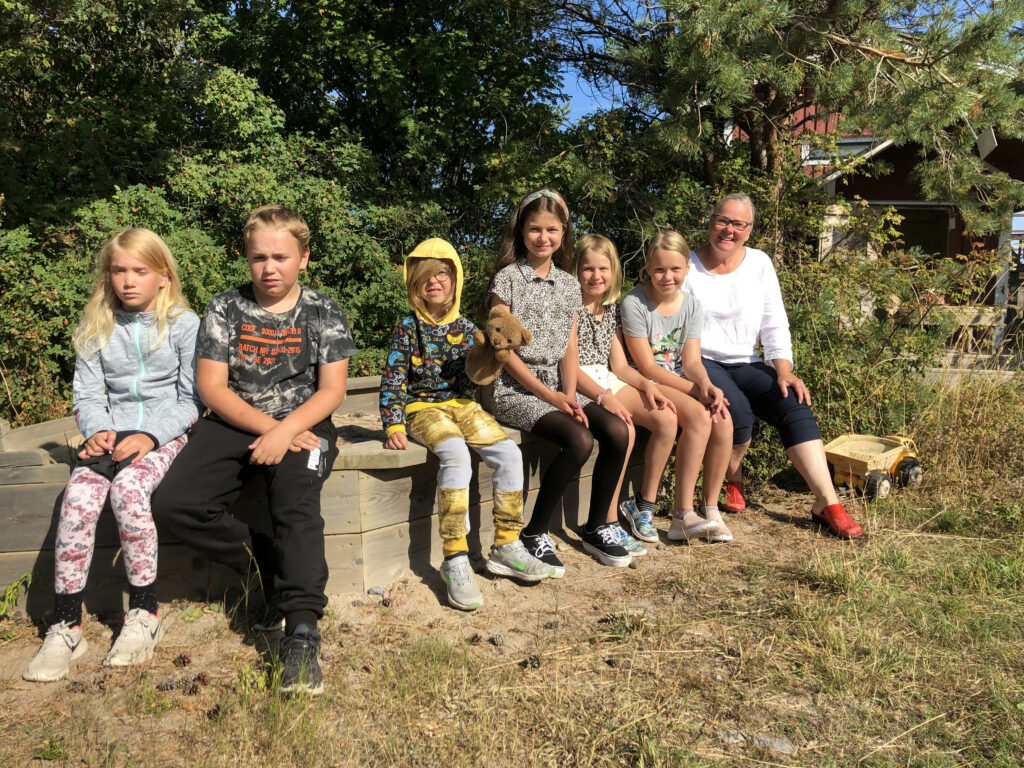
130, 493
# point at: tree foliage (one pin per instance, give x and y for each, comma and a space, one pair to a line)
384, 124
717, 79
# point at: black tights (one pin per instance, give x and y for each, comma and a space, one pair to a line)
576, 443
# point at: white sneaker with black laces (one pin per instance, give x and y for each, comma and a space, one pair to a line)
139, 636
62, 645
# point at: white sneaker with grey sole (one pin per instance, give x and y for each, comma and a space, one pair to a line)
514, 560
139, 637
62, 645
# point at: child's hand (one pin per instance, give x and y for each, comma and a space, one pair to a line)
397, 441
613, 406
715, 400
304, 441
655, 399
270, 447
138, 444
98, 444
568, 405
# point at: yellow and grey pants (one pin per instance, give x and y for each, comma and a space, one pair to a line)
449, 432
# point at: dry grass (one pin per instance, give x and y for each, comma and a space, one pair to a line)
788, 648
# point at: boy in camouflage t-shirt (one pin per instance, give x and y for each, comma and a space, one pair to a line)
272, 367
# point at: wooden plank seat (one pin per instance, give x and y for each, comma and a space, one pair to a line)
378, 508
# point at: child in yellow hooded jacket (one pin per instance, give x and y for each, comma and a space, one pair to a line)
425, 392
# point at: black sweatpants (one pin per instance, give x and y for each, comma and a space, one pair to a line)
207, 476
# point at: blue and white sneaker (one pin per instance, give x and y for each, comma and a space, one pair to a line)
642, 523
627, 542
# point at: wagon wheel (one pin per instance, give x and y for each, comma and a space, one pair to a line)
877, 485
909, 473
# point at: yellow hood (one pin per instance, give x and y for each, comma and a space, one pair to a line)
436, 248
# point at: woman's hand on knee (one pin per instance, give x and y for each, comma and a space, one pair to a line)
788, 381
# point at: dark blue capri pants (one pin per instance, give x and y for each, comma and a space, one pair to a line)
752, 390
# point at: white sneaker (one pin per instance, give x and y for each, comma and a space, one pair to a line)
62, 645
691, 526
722, 532
139, 636
458, 577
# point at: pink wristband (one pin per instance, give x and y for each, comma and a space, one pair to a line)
601, 395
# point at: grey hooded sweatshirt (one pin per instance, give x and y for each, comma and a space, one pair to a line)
128, 386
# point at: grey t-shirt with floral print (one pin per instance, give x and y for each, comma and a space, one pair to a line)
666, 334
273, 358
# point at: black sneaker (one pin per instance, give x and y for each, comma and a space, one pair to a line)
603, 543
540, 546
300, 661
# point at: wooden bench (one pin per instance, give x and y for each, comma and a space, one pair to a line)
378, 508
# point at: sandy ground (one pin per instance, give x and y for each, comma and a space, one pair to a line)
202, 647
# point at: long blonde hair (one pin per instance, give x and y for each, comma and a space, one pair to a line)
93, 332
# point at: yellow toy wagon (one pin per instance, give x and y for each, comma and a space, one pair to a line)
873, 465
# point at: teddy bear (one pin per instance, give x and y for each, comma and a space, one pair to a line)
502, 333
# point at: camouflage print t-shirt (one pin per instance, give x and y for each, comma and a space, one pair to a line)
273, 358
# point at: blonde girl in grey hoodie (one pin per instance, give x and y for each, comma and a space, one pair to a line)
134, 400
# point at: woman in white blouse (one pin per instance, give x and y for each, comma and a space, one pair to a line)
739, 291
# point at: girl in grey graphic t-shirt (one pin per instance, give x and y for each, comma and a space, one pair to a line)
662, 327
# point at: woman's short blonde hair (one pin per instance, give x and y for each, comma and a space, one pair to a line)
737, 197
602, 246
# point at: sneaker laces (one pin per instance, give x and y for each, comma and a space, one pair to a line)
58, 635
607, 534
543, 545
134, 626
461, 572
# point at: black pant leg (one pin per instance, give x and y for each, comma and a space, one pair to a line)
294, 487
612, 436
575, 443
192, 500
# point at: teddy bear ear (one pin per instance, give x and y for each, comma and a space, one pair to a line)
501, 309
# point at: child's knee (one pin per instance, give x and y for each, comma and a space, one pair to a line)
453, 452
506, 460
665, 424
698, 424
121, 494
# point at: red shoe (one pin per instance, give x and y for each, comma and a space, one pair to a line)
838, 521
733, 493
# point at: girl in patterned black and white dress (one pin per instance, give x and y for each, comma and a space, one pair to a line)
536, 392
